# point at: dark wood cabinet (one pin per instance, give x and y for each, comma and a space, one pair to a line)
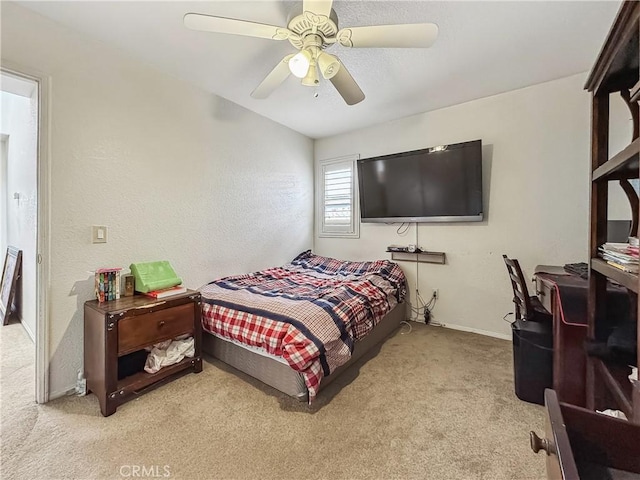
616, 71
114, 331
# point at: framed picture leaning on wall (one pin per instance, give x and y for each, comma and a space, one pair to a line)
10, 274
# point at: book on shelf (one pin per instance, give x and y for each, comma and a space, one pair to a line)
166, 292
622, 256
107, 284
624, 250
618, 259
624, 268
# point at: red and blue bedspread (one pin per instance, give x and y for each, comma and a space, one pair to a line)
309, 312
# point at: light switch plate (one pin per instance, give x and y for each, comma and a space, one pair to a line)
99, 234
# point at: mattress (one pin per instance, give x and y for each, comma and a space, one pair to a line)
310, 312
275, 372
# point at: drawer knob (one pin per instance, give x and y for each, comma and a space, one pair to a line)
538, 444
161, 324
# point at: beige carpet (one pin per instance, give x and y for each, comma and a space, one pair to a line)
434, 403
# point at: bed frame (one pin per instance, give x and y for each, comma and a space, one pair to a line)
280, 375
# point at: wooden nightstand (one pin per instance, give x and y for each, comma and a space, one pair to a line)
121, 327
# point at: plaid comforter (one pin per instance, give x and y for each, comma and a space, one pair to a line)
309, 312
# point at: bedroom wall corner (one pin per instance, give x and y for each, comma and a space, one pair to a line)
174, 172
536, 155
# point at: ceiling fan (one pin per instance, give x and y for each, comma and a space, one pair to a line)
311, 29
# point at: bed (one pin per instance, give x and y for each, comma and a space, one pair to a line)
298, 326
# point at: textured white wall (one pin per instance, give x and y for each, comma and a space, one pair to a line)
174, 172
19, 120
536, 160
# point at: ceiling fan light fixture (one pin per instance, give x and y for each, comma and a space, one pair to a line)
300, 63
329, 65
311, 78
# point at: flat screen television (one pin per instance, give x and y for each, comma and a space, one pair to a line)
438, 184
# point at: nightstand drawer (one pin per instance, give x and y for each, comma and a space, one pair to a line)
137, 332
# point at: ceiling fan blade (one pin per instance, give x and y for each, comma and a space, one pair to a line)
347, 86
210, 23
412, 35
319, 7
272, 81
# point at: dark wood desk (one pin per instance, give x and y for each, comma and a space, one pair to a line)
565, 296
569, 329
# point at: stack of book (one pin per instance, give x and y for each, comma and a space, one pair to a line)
166, 292
621, 255
107, 284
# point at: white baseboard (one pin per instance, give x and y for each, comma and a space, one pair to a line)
462, 328
486, 333
63, 393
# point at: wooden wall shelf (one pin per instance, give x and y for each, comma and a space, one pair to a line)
421, 257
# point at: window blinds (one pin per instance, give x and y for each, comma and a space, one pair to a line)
337, 197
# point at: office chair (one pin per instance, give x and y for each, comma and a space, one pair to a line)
527, 307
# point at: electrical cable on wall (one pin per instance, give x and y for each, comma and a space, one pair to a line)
405, 229
419, 311
422, 311
416, 312
418, 297
425, 310
428, 307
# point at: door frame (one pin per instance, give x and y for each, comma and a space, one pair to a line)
43, 227
4, 156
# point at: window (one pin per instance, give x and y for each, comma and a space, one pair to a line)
336, 203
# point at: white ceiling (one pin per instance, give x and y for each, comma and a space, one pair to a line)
483, 48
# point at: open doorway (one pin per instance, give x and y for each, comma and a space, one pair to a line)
19, 129
24, 352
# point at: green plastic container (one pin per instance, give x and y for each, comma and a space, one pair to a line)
152, 276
